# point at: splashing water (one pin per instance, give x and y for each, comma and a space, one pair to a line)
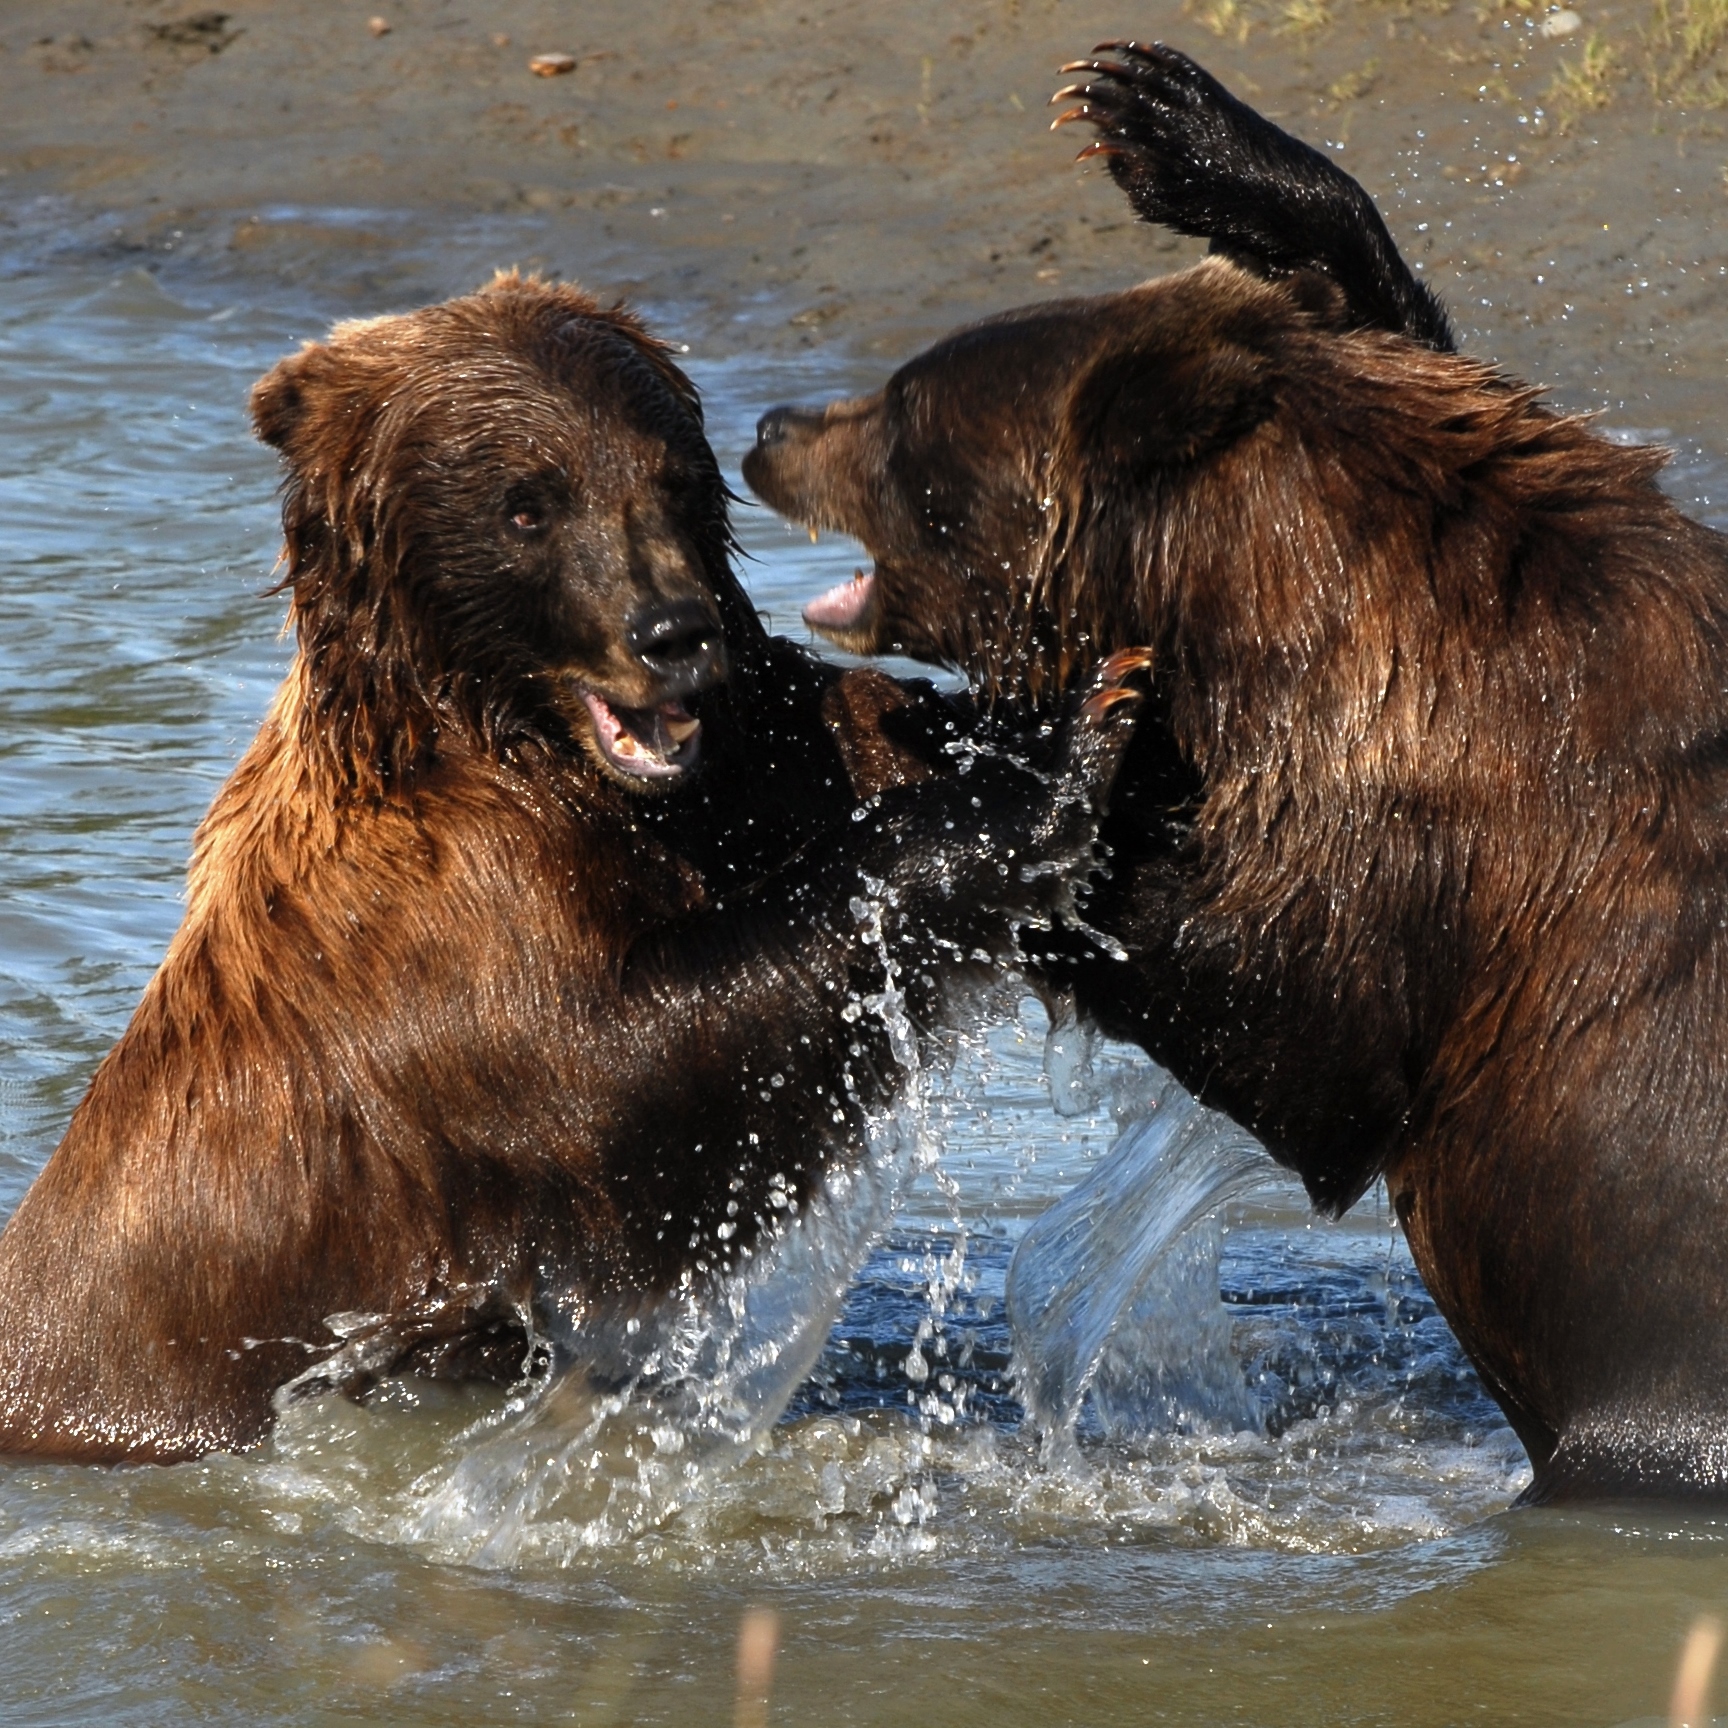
1285, 1416
1114, 1293
584, 1464
1071, 1063
655, 1406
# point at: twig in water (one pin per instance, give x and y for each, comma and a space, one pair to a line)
758, 1639
1691, 1702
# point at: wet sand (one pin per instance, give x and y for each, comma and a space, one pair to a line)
803, 172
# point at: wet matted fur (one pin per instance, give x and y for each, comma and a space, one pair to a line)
1421, 853
490, 1007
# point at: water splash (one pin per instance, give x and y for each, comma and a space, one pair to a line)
1071, 1062
1321, 1407
1375, 1433
1113, 1292
658, 1404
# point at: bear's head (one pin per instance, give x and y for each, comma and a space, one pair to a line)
982, 475
502, 517
1210, 464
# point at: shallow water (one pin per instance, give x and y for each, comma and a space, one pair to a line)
1329, 1543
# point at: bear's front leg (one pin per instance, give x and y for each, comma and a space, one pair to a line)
1189, 155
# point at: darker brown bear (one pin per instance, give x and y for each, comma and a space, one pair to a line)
1421, 852
520, 970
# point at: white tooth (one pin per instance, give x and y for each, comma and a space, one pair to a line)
627, 745
679, 730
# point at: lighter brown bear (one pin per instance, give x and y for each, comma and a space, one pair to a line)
520, 973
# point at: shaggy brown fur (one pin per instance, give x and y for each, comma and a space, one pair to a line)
466, 1033
1422, 852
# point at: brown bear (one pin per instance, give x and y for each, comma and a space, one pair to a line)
523, 951
1420, 854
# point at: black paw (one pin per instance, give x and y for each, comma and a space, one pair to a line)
1099, 727
1191, 156
1182, 148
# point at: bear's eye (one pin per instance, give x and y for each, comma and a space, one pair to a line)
527, 511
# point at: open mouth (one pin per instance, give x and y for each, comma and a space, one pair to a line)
846, 614
646, 743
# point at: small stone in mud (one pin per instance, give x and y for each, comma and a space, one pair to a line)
1562, 23
378, 26
550, 65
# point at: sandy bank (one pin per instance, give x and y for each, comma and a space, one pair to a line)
797, 171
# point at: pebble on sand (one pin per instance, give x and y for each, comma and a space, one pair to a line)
1562, 23
378, 26
550, 65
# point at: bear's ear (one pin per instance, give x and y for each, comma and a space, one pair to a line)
1320, 297
1144, 411
280, 399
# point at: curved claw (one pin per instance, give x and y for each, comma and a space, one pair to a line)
1151, 62
1099, 69
1156, 52
1103, 91
1101, 147
1098, 104
1111, 676
1100, 702
1125, 661
1098, 732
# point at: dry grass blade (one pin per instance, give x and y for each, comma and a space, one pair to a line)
1690, 1705
758, 1641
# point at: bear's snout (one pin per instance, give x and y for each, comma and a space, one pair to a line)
681, 644
776, 469
780, 425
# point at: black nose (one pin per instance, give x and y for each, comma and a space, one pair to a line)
780, 424
771, 429
681, 643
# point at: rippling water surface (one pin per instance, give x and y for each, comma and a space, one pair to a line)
1282, 1498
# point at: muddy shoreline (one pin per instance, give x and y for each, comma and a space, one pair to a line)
792, 173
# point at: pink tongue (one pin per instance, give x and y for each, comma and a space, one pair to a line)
841, 606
